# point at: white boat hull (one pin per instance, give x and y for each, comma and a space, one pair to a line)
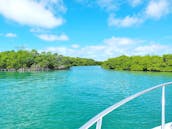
167, 126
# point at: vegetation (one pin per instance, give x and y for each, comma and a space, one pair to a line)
81, 61
140, 63
23, 60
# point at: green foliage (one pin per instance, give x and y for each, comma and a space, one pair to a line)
34, 60
81, 61
140, 63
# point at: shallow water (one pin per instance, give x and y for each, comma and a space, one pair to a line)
67, 99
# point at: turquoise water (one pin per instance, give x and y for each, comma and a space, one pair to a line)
67, 99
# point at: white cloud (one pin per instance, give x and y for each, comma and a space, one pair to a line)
52, 37
113, 47
37, 30
124, 22
151, 49
110, 47
10, 35
59, 5
75, 46
61, 50
154, 9
108, 5
149, 9
121, 41
134, 3
157, 8
29, 12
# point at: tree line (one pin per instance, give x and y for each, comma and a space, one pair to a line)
23, 60
140, 63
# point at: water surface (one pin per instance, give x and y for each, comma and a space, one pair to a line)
67, 99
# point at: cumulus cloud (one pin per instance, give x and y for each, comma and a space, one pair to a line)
75, 46
150, 9
37, 30
157, 8
108, 5
10, 35
112, 47
154, 9
54, 5
62, 50
134, 3
127, 21
52, 37
29, 12
152, 49
121, 41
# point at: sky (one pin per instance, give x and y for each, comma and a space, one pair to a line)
98, 29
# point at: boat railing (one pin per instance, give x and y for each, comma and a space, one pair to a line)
98, 118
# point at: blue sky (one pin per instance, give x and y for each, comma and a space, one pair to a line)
98, 29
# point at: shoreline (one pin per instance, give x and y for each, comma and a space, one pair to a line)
34, 69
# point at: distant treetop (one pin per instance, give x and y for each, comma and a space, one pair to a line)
140, 63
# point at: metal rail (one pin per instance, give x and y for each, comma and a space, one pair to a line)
98, 118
